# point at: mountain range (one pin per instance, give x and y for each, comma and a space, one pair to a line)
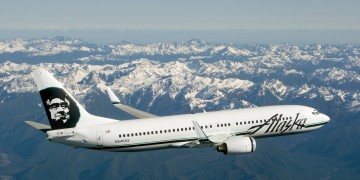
178, 78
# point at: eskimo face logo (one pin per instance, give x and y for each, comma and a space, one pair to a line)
61, 109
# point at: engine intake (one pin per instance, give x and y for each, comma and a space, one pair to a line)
237, 145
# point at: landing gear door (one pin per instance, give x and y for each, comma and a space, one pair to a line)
99, 138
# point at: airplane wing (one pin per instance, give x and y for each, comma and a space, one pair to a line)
135, 112
219, 138
42, 127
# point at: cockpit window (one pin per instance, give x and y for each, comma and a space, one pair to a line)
315, 112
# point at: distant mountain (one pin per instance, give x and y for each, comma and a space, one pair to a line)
177, 78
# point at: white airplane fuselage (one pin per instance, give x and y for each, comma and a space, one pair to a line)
178, 130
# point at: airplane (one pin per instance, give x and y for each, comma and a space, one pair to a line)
231, 132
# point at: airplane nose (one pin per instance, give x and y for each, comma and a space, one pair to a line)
325, 118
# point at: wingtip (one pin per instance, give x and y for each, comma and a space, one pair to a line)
112, 96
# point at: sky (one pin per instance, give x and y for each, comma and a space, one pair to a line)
185, 16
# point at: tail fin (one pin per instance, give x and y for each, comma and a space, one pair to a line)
62, 110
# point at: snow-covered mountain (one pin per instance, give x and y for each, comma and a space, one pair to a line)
222, 84
196, 74
260, 55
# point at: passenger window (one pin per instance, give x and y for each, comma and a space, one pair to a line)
229, 124
244, 122
182, 129
210, 126
119, 135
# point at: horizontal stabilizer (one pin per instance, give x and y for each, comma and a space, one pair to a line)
135, 112
42, 127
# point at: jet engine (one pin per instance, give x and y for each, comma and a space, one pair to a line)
237, 145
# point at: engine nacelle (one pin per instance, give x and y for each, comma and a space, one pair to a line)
237, 145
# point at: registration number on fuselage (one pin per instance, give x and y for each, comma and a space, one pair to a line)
122, 140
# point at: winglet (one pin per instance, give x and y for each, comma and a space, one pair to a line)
135, 112
112, 96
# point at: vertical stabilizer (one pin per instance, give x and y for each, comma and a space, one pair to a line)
62, 110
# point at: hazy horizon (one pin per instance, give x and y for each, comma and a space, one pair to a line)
141, 21
142, 36
184, 15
